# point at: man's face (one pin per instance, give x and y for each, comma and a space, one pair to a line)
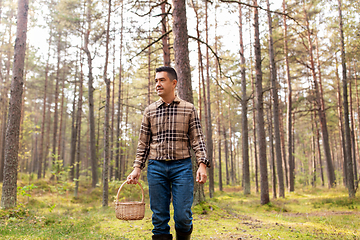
164, 87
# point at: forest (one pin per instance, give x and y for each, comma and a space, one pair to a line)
274, 82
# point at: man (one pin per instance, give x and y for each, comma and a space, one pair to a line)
170, 126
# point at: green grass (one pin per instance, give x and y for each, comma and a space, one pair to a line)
51, 212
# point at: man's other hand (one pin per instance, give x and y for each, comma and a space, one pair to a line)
134, 176
201, 174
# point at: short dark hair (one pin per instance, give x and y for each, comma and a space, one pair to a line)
171, 72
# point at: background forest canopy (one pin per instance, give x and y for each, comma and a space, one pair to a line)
73, 55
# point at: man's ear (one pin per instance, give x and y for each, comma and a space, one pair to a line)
175, 82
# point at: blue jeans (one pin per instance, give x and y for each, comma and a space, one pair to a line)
166, 178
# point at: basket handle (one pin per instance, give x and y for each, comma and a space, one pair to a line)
142, 191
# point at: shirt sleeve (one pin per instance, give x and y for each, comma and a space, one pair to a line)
143, 147
197, 139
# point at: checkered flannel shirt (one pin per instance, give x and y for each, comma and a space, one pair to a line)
168, 131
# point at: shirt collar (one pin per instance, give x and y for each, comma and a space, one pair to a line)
160, 102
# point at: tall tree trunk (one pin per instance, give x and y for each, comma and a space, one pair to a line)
291, 172
219, 142
201, 70
181, 49
47, 137
107, 115
313, 152
232, 164
319, 151
149, 59
321, 110
353, 142
61, 125
3, 140
200, 63
256, 165
358, 114
226, 157
54, 153
111, 174
244, 110
119, 152
93, 157
9, 188
340, 123
73, 130
182, 66
5, 81
165, 39
78, 127
264, 184
349, 167
276, 108
218, 100
283, 149
272, 153
44, 110
209, 141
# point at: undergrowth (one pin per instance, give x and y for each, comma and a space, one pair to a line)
48, 210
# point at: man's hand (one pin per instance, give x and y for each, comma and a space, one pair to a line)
201, 174
134, 176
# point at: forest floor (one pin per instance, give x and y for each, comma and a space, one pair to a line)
48, 210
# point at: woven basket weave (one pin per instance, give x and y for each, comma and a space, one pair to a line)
130, 210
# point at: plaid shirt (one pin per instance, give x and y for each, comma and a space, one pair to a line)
168, 131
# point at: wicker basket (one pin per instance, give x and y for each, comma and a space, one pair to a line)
130, 210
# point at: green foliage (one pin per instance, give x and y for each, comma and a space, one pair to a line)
350, 203
25, 190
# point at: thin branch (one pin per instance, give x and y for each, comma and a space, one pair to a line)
217, 57
261, 8
149, 45
151, 8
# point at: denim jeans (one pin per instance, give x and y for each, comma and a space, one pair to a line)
166, 178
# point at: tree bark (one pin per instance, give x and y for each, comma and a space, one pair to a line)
44, 110
73, 131
9, 189
291, 171
93, 157
272, 153
209, 141
244, 111
254, 122
321, 110
119, 152
165, 39
182, 66
218, 100
353, 142
340, 123
181, 49
226, 157
107, 115
78, 127
276, 108
313, 152
219, 143
264, 185
54, 153
349, 167
111, 174
61, 125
